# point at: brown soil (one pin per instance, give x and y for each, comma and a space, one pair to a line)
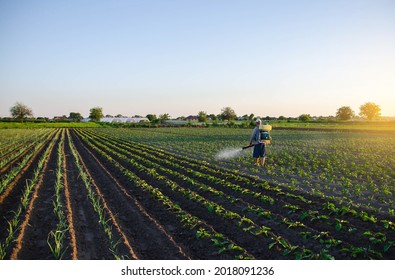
144, 228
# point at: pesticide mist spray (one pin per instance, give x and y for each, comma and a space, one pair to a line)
228, 153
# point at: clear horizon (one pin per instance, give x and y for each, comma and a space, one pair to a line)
181, 57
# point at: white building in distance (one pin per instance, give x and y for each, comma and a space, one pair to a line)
119, 120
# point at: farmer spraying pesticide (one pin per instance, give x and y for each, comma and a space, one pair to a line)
259, 138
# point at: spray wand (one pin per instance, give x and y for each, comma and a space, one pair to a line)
249, 146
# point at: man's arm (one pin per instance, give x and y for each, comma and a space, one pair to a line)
252, 139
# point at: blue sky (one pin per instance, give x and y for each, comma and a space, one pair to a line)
181, 57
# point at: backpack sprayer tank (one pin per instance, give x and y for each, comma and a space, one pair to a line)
265, 133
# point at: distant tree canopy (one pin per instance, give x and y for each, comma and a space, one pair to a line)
164, 117
202, 116
344, 113
228, 113
20, 112
370, 111
75, 117
151, 117
96, 114
213, 117
304, 117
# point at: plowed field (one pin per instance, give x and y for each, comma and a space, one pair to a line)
105, 194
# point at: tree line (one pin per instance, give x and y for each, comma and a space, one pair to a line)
370, 111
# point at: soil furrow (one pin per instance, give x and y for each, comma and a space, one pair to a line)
27, 169
355, 238
198, 249
136, 220
256, 245
90, 239
40, 218
30, 243
14, 161
73, 241
10, 200
279, 206
114, 220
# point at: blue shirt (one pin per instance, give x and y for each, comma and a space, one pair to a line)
255, 136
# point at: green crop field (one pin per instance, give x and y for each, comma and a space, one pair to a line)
192, 193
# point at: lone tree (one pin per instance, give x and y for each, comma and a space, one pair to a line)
228, 113
212, 117
344, 113
20, 111
96, 114
151, 117
202, 116
164, 117
304, 117
75, 117
370, 110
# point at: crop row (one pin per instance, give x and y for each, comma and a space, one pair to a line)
14, 151
115, 193
242, 222
320, 163
11, 139
105, 216
32, 220
201, 228
19, 220
66, 211
11, 174
222, 176
286, 213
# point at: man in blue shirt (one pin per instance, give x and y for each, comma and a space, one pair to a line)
259, 153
